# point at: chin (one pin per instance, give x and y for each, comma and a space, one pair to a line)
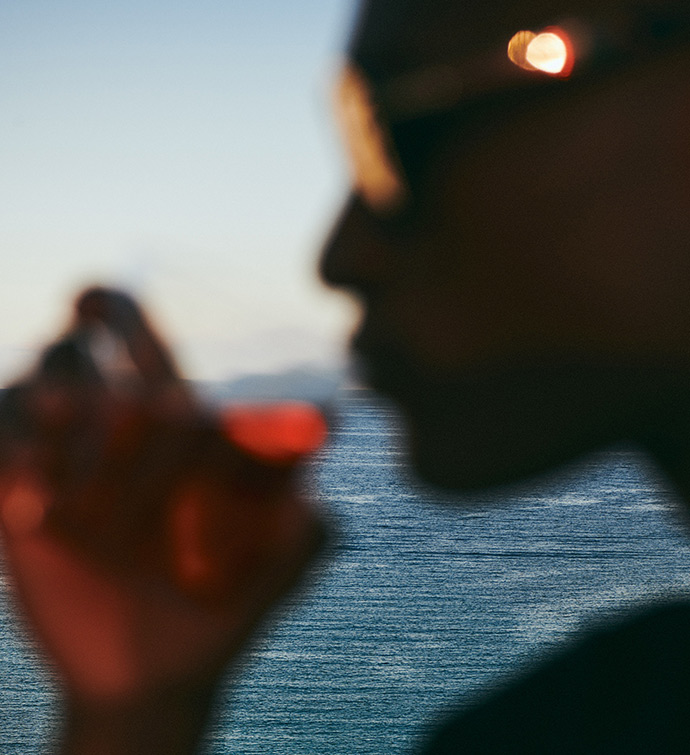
446, 462
508, 422
468, 443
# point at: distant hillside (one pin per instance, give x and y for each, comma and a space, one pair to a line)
318, 386
302, 383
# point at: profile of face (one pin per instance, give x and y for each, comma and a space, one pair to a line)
519, 247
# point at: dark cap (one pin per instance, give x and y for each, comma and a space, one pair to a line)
393, 36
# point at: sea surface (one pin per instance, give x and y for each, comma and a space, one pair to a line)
421, 602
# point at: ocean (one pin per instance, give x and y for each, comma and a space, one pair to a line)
421, 601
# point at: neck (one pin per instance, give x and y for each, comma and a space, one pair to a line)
668, 442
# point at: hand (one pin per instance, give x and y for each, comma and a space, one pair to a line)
144, 547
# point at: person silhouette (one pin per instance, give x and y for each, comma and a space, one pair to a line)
517, 237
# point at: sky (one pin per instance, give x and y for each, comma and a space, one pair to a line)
185, 151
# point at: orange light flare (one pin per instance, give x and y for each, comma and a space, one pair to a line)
551, 51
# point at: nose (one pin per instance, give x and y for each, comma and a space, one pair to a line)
357, 255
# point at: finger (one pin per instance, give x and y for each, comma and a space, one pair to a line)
120, 314
59, 391
13, 419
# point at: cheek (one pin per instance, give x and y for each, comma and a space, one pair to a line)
485, 276
537, 249
479, 297
565, 230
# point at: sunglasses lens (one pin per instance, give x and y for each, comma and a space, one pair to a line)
375, 173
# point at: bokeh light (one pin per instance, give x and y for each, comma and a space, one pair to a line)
547, 52
550, 51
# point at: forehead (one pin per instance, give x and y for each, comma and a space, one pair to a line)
397, 35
